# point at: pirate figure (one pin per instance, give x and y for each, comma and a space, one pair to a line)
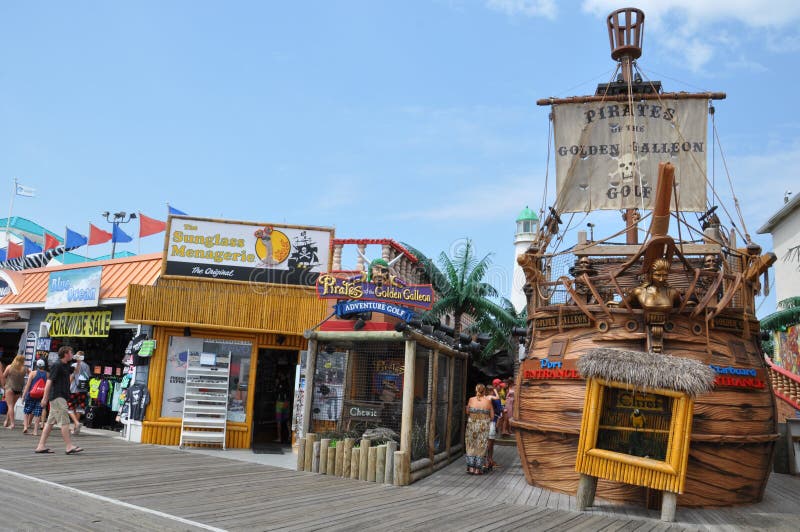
379, 273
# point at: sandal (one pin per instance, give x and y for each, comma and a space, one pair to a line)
74, 450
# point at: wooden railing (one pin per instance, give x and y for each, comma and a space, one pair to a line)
785, 384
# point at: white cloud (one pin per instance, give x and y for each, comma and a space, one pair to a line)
487, 201
751, 13
692, 30
760, 180
528, 8
486, 130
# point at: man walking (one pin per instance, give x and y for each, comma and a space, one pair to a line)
56, 392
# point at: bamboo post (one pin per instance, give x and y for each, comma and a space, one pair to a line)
372, 462
324, 444
310, 439
331, 469
348, 457
451, 364
347, 391
408, 398
311, 366
391, 448
434, 398
587, 485
463, 425
402, 463
380, 464
354, 461
363, 459
301, 454
339, 458
669, 503
315, 459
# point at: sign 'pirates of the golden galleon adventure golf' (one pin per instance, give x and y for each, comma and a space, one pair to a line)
376, 289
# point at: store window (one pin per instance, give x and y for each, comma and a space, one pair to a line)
175, 376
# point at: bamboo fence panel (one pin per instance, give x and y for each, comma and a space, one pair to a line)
281, 309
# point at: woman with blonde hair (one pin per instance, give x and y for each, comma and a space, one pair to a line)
479, 416
15, 381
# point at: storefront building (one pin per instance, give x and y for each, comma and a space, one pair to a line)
376, 374
236, 290
80, 305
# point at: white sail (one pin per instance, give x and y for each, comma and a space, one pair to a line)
607, 156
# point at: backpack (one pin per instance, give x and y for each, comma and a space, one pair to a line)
37, 390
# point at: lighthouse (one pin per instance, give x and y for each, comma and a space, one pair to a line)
527, 226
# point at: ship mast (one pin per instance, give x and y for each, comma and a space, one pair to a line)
625, 33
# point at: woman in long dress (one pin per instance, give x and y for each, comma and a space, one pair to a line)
479, 416
14, 383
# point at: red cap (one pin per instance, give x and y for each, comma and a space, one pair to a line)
496, 382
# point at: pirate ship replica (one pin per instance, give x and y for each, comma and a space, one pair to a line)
644, 370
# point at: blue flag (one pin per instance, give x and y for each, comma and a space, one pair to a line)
173, 210
74, 240
3, 255
29, 247
118, 235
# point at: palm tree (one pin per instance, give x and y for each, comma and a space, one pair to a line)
458, 282
501, 334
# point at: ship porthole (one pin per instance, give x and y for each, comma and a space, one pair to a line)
697, 328
632, 325
669, 326
602, 326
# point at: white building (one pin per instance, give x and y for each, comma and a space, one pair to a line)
784, 226
527, 226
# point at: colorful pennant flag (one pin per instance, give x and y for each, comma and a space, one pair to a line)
29, 247
118, 235
3, 255
14, 251
150, 226
50, 242
28, 192
98, 236
74, 240
173, 210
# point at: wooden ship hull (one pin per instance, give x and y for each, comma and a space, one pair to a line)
690, 298
734, 427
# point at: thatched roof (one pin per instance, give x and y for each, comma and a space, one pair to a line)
651, 370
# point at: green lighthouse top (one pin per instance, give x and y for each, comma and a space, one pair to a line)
527, 214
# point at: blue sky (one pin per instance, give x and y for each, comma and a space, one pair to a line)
409, 120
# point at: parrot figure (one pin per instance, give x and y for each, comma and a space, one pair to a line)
637, 419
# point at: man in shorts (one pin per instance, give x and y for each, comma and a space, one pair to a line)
56, 392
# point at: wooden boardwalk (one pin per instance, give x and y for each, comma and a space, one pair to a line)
115, 485
780, 509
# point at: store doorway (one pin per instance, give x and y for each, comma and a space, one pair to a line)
273, 400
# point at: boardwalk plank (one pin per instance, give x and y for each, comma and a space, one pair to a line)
231, 494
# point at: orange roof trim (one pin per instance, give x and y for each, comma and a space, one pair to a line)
117, 275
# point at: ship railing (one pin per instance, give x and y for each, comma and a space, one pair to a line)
785, 384
703, 291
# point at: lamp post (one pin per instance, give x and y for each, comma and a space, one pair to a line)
115, 219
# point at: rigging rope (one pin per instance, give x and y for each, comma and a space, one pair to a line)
708, 182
